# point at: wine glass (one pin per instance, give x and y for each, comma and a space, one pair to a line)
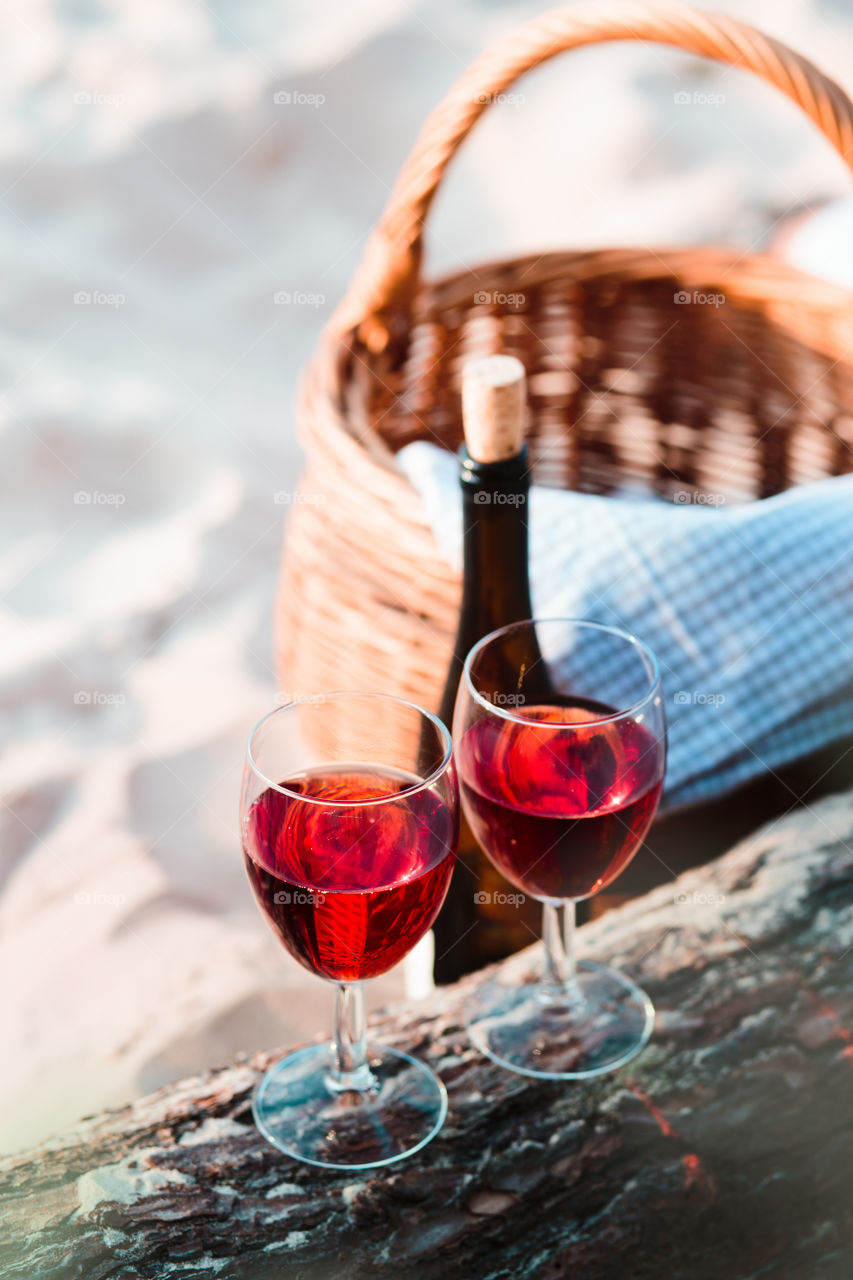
560, 745
350, 822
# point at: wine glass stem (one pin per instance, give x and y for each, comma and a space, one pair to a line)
558, 983
350, 1070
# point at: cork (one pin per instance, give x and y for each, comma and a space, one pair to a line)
494, 407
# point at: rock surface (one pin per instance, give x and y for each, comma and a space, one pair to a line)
723, 1151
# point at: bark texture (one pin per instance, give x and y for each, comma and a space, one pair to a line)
722, 1153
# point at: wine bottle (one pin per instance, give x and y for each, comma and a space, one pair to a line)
481, 920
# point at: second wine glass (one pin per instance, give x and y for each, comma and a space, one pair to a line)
560, 742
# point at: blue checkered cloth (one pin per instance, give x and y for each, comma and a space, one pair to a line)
748, 608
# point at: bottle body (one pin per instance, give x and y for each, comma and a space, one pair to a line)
481, 920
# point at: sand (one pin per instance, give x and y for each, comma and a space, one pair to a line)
156, 200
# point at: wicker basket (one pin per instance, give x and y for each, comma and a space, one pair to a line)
626, 385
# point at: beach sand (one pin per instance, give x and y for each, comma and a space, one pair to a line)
156, 199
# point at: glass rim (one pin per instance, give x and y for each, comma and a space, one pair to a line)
312, 700
653, 669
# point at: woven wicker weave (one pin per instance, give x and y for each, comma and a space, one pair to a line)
626, 385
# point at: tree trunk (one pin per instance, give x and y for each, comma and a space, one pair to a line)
722, 1153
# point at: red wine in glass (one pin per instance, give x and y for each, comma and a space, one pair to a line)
561, 812
561, 749
349, 816
350, 886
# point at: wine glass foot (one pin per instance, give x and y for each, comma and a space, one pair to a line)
604, 1028
297, 1111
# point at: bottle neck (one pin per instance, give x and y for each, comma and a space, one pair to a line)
495, 581
495, 512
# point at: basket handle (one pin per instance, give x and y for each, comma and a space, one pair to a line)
387, 278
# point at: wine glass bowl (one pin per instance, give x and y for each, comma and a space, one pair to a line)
349, 825
561, 751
